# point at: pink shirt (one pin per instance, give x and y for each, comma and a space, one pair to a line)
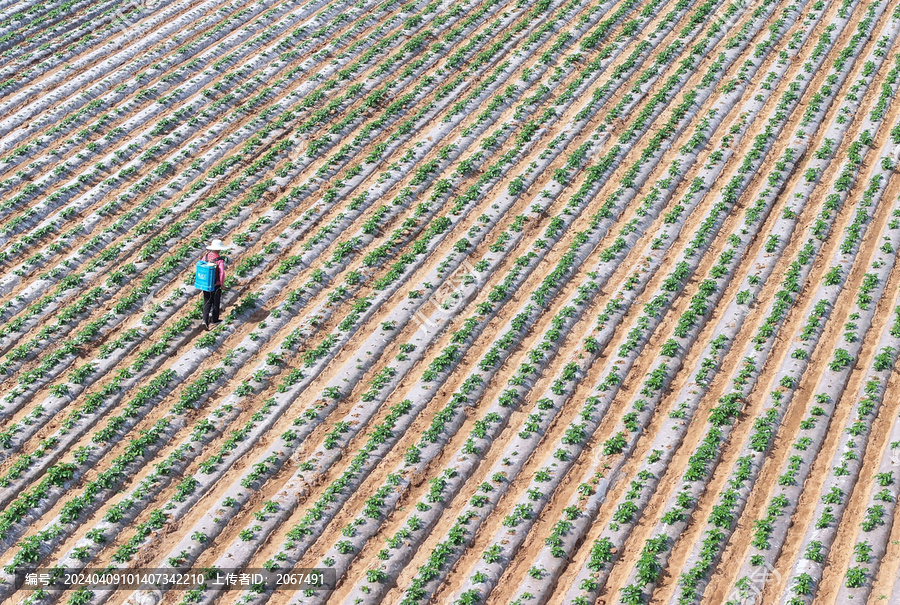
213, 257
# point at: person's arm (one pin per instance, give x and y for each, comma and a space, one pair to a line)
220, 270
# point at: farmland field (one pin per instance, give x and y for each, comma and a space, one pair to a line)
559, 302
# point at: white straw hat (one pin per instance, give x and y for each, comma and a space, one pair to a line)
216, 245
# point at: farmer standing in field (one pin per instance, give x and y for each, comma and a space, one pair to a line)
213, 300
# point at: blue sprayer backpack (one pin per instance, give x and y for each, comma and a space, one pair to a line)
205, 279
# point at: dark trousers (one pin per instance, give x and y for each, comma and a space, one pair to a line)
211, 303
